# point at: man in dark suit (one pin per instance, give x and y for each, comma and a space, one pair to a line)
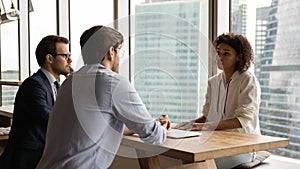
33, 104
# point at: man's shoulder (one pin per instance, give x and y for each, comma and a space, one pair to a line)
35, 79
116, 79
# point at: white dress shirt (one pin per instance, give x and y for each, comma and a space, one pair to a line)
51, 79
86, 125
240, 98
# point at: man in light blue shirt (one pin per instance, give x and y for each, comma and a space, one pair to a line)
92, 106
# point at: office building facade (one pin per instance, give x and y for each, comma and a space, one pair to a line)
170, 70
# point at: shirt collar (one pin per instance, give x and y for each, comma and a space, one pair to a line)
234, 76
49, 76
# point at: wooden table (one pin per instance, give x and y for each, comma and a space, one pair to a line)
208, 146
3, 137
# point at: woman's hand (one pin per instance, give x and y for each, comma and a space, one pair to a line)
198, 127
204, 126
187, 125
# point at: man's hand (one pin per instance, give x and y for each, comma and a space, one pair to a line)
71, 71
165, 121
127, 131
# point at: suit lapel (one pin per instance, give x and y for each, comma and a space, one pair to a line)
46, 83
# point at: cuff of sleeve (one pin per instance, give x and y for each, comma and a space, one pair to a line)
246, 125
157, 136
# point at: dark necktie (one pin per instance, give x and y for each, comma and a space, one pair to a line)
56, 86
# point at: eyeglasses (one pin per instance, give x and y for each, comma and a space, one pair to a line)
66, 56
121, 52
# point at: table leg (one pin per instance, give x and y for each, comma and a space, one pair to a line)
211, 164
148, 162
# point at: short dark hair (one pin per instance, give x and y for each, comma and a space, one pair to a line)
242, 47
87, 34
48, 46
96, 41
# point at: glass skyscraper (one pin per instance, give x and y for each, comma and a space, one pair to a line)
277, 52
170, 68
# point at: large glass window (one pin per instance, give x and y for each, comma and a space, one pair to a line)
9, 51
169, 59
85, 14
42, 22
276, 42
9, 57
10, 44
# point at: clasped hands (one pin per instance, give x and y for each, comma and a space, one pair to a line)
164, 121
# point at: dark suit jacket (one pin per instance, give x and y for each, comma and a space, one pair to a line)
33, 104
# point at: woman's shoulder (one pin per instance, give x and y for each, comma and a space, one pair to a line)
247, 75
217, 76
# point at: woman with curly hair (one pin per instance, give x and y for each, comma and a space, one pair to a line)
233, 95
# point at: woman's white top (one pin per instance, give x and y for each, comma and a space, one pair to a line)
239, 98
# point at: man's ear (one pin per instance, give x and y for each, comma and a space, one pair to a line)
49, 58
110, 53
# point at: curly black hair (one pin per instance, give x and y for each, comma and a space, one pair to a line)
242, 47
